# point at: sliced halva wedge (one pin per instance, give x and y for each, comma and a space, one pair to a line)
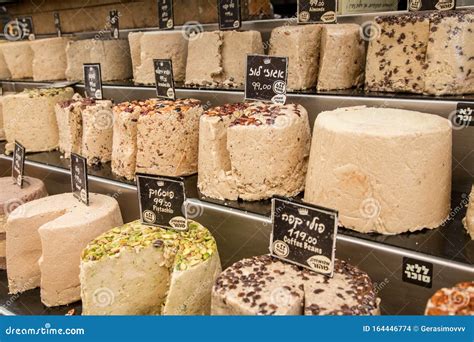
167, 138
301, 44
219, 58
69, 120
147, 46
264, 285
385, 170
30, 119
144, 270
113, 56
342, 57
11, 197
45, 239
19, 59
253, 151
49, 59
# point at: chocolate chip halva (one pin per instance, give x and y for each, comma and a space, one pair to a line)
264, 285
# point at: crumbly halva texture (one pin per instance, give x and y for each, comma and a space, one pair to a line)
263, 285
30, 119
86, 127
272, 161
11, 197
45, 239
468, 221
113, 56
167, 138
19, 59
49, 59
147, 270
454, 301
385, 170
218, 59
156, 137
423, 53
2, 131
146, 46
4, 71
301, 44
342, 57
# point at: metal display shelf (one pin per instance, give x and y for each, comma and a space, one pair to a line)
242, 229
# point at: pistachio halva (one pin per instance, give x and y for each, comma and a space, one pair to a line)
45, 239
323, 56
253, 151
146, 46
385, 170
49, 59
156, 137
423, 53
85, 127
218, 59
29, 118
469, 219
113, 56
11, 197
144, 270
263, 285
457, 300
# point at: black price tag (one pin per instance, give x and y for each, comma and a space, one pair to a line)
431, 5
114, 24
93, 81
229, 14
464, 115
316, 11
162, 201
165, 14
79, 182
417, 272
18, 164
304, 235
164, 79
266, 78
57, 23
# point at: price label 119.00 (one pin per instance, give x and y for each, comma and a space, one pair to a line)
304, 235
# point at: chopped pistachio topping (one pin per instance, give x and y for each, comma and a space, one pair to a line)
188, 248
38, 92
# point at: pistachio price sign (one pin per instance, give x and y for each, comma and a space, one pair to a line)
162, 201
229, 14
304, 235
164, 79
316, 11
165, 14
93, 80
266, 78
431, 5
79, 181
18, 164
